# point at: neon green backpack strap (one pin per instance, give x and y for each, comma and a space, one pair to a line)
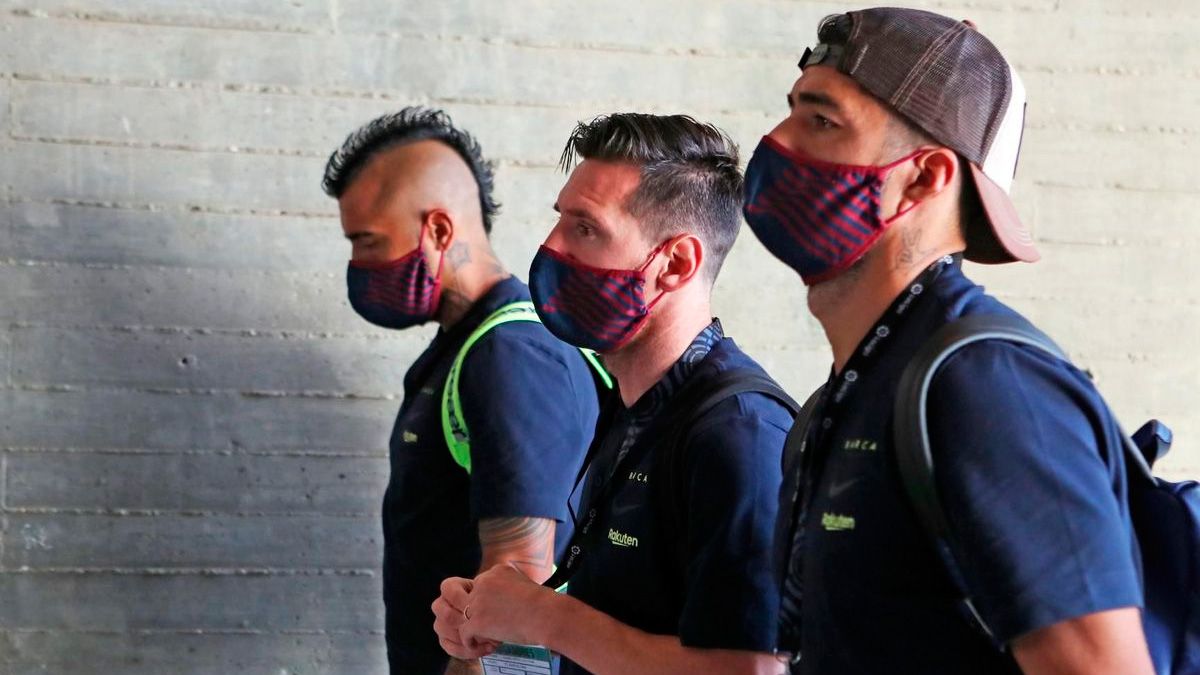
454, 423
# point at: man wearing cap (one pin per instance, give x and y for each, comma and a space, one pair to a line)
894, 162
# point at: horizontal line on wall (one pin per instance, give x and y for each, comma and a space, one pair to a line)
81, 264
220, 332
205, 452
193, 571
226, 150
172, 147
1118, 242
185, 631
685, 51
379, 95
176, 208
181, 513
1047, 69
1114, 129
1073, 300
161, 21
1111, 185
183, 391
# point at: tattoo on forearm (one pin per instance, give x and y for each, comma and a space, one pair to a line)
522, 541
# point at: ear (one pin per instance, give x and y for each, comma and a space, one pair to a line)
438, 227
936, 170
685, 256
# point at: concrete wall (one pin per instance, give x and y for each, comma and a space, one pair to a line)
192, 420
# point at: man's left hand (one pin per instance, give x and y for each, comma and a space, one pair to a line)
506, 606
449, 620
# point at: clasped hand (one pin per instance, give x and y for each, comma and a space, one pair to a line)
472, 617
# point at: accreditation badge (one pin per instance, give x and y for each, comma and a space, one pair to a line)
518, 660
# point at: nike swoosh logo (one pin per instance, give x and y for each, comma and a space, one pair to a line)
621, 510
837, 489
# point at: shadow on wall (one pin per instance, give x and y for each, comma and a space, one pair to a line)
194, 443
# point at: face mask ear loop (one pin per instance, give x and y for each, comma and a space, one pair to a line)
641, 270
901, 213
437, 279
438, 273
887, 169
650, 258
645, 317
652, 303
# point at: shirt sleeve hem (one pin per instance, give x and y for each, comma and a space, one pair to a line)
1012, 623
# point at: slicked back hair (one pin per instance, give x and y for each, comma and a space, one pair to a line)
405, 126
690, 180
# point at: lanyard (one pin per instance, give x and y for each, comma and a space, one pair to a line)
615, 429
832, 405
837, 391
589, 527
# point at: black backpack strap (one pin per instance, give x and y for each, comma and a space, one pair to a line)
789, 492
793, 448
914, 457
688, 408
727, 384
696, 399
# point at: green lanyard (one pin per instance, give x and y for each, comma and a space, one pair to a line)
454, 423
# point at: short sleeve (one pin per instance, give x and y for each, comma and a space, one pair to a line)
733, 477
530, 412
1031, 484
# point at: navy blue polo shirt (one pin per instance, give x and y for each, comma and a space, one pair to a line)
530, 405
708, 580
1029, 466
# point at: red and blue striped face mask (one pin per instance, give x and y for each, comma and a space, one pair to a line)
817, 217
396, 294
589, 307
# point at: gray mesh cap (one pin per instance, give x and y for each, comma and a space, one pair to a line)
952, 83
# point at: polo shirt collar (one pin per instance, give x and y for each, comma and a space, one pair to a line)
653, 401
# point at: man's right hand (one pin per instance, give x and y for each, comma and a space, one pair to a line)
449, 617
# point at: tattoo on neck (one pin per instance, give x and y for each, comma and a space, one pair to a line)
911, 252
459, 254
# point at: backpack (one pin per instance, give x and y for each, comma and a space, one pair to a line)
1165, 515
454, 423
684, 410
687, 409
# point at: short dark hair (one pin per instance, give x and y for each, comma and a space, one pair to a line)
689, 175
410, 125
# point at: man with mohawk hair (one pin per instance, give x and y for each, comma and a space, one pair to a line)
497, 412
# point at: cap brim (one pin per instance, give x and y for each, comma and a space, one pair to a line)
1003, 238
